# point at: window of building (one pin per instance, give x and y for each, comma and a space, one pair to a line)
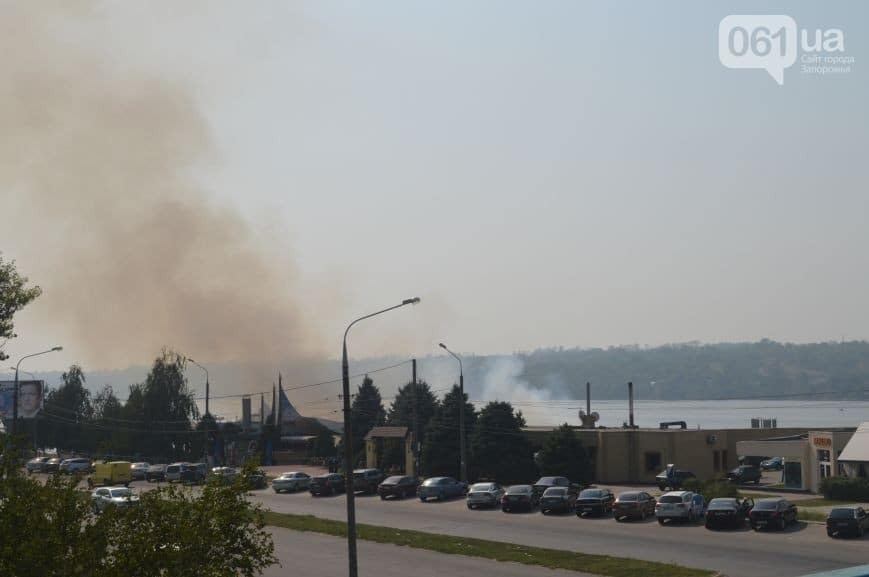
716, 461
653, 462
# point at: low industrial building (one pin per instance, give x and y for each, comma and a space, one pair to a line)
627, 455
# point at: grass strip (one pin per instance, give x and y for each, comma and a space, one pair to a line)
807, 515
551, 558
822, 502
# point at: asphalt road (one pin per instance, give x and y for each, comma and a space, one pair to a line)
801, 549
314, 555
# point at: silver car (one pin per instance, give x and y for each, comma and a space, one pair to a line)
76, 465
676, 505
36, 465
292, 481
138, 470
112, 496
484, 495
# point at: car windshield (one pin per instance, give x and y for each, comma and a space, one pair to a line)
629, 497
766, 505
519, 489
722, 504
555, 492
842, 513
671, 499
395, 480
591, 494
482, 487
547, 481
431, 482
116, 493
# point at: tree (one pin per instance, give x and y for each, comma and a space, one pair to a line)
563, 454
162, 409
14, 296
366, 412
49, 530
499, 447
323, 445
69, 411
440, 448
401, 410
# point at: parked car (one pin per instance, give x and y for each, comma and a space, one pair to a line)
850, 520
76, 465
256, 479
193, 473
594, 501
744, 474
52, 465
155, 473
544, 483
138, 470
223, 475
291, 481
519, 497
633, 504
367, 480
675, 505
327, 484
441, 488
484, 495
110, 473
774, 464
112, 497
727, 512
772, 513
173, 471
397, 486
672, 478
36, 465
558, 500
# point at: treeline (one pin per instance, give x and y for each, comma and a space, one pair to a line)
706, 371
158, 419
497, 448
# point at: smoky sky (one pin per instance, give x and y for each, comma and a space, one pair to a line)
97, 164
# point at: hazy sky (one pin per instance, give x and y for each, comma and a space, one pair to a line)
540, 173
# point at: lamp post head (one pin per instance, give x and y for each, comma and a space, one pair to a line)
57, 348
413, 301
441, 345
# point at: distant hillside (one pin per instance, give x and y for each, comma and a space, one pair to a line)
697, 371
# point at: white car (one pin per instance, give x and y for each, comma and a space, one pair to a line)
676, 505
112, 496
485, 495
292, 481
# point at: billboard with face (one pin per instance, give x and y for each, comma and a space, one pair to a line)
29, 398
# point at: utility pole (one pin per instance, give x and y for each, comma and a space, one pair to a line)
415, 423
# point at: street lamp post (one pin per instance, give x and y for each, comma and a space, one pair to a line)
15, 389
207, 421
462, 461
348, 441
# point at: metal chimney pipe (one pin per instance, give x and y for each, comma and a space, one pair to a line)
631, 404
587, 398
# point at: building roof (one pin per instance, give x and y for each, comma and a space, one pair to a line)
387, 432
857, 448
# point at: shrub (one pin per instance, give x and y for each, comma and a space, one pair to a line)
845, 489
711, 489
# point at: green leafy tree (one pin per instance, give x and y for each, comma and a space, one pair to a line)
323, 445
69, 412
14, 296
162, 410
563, 454
49, 530
499, 448
440, 448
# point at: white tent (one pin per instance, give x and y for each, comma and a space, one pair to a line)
855, 455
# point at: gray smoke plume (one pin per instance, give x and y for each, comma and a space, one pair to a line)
99, 199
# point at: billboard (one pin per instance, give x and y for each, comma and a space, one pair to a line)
29, 398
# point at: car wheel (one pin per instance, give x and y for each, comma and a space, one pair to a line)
643, 515
830, 533
543, 511
441, 496
470, 506
782, 524
861, 531
422, 499
383, 497
617, 518
660, 521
